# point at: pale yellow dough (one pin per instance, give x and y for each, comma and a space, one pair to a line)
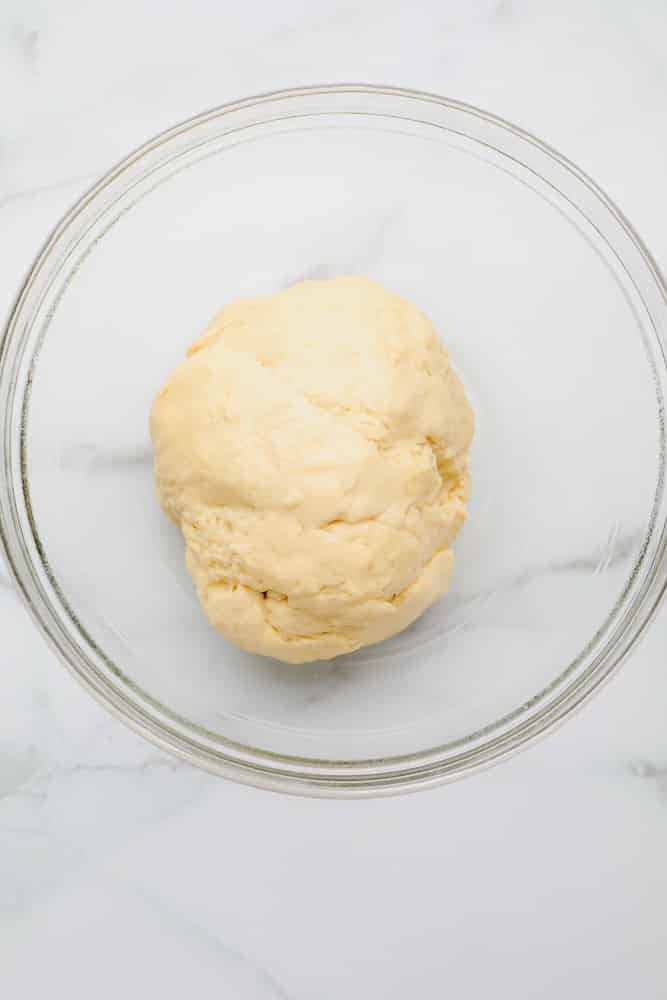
313, 448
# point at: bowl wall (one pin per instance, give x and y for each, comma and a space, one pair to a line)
554, 316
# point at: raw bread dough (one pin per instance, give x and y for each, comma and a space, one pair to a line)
313, 449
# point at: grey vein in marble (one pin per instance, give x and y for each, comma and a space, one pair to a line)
652, 772
27, 775
33, 192
92, 459
26, 40
503, 12
618, 548
367, 252
271, 988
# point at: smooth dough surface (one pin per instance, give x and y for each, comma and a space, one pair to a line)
313, 447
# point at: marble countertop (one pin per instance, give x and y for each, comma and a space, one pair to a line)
124, 870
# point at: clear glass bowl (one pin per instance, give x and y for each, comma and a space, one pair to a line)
555, 316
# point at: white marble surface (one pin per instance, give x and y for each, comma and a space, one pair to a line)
122, 870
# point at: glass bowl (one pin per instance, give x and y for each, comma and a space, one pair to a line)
555, 317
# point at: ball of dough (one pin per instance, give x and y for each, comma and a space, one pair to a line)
313, 449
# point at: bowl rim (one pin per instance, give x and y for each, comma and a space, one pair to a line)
260, 767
